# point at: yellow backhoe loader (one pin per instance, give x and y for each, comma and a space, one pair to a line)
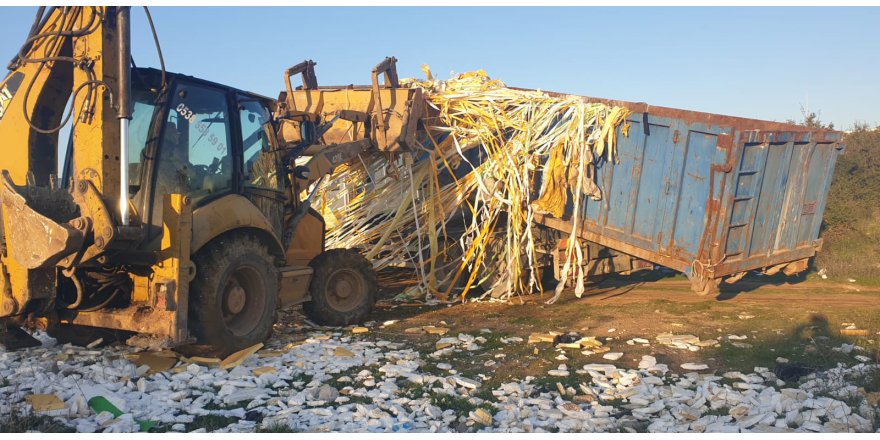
183, 206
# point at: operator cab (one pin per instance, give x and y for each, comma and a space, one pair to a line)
197, 138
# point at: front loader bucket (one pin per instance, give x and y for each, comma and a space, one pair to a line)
32, 239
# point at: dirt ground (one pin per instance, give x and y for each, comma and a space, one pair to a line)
794, 319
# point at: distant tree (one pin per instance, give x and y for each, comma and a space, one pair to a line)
811, 120
863, 126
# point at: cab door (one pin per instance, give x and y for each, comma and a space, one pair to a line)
194, 153
262, 182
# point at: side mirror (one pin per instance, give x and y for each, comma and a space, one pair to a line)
270, 142
308, 132
301, 172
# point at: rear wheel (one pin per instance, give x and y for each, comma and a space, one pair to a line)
234, 295
343, 288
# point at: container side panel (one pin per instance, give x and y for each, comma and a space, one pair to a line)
690, 218
786, 235
771, 198
650, 196
833, 152
815, 193
622, 189
671, 181
747, 181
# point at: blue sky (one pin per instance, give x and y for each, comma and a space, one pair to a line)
756, 62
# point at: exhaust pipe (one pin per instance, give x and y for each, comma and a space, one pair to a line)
123, 35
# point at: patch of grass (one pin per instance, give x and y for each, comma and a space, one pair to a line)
276, 428
809, 344
363, 400
549, 382
210, 422
302, 377
31, 422
720, 411
728, 381
414, 390
211, 406
461, 405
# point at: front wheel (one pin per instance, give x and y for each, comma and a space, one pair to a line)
234, 296
343, 288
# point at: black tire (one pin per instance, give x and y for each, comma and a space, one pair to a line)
234, 296
343, 288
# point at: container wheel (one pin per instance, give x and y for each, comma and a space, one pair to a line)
706, 287
343, 288
234, 295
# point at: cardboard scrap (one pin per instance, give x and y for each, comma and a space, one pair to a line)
445, 343
206, 361
264, 370
535, 338
237, 358
431, 330
155, 361
482, 416
44, 402
342, 352
358, 330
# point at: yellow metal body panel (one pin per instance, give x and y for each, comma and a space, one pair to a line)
400, 109
307, 242
96, 135
25, 149
295, 285
37, 90
225, 214
166, 295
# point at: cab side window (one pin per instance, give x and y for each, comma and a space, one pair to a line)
194, 154
260, 168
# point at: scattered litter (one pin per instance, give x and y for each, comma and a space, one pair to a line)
431, 330
641, 341
694, 366
745, 316
259, 371
684, 342
342, 352
157, 362
853, 332
612, 356
359, 330
44, 402
536, 338
237, 358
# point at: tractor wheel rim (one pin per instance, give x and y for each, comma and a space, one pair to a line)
346, 290
244, 300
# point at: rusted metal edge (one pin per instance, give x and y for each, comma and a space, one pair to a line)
739, 123
135, 319
761, 261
